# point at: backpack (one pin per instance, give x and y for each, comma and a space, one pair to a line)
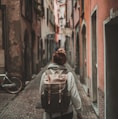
56, 97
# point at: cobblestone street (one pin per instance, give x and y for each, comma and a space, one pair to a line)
5, 98
23, 105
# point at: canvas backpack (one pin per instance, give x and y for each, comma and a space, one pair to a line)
56, 97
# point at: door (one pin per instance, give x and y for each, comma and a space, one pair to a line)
27, 58
2, 48
77, 68
94, 60
84, 56
111, 33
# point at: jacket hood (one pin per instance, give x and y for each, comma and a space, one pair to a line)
56, 66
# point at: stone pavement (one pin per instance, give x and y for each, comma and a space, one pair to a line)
5, 98
88, 112
23, 105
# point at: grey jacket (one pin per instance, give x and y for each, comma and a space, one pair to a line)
75, 98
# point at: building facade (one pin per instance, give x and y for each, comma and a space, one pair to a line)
98, 34
93, 46
20, 33
48, 30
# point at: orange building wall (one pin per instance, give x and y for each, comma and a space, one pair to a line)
103, 12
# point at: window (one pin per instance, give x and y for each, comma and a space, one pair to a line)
82, 5
26, 9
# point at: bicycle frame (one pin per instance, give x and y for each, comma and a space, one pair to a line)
12, 84
5, 77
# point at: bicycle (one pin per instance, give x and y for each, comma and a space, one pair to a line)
12, 85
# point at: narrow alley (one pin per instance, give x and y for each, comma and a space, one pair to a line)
32, 30
23, 105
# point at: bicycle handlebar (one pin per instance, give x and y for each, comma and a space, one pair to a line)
4, 74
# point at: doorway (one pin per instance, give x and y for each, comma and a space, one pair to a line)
2, 50
94, 61
33, 55
84, 81
3, 40
27, 60
111, 41
77, 53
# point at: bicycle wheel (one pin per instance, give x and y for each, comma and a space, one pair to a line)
18, 85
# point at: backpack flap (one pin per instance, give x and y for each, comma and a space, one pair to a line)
56, 97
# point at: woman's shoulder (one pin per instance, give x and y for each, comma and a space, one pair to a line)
70, 73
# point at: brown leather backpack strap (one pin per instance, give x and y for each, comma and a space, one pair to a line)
60, 92
49, 85
49, 94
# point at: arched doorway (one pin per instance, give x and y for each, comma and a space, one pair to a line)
41, 63
94, 59
33, 53
27, 58
77, 68
3, 41
84, 58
